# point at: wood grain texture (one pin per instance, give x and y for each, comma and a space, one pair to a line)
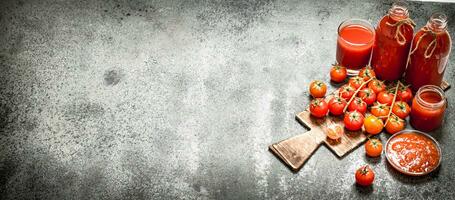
295, 151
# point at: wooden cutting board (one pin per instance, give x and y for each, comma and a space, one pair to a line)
296, 150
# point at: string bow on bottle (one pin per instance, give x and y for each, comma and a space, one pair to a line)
398, 33
432, 44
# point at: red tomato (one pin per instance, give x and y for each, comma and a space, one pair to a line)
377, 86
346, 91
385, 97
358, 104
394, 124
336, 105
367, 73
338, 73
317, 89
319, 108
367, 95
380, 110
356, 81
401, 109
364, 176
353, 121
404, 94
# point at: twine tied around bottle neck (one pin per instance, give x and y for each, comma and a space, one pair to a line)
431, 46
398, 33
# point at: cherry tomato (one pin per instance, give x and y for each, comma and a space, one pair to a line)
353, 121
367, 95
367, 73
346, 92
385, 98
377, 86
318, 89
394, 124
336, 105
404, 94
401, 109
335, 131
319, 108
373, 125
356, 81
364, 176
373, 147
380, 110
358, 104
338, 73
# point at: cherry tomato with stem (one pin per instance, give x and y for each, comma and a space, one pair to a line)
358, 104
318, 89
336, 105
385, 97
404, 94
373, 147
346, 92
319, 108
353, 121
367, 73
338, 73
394, 124
401, 109
364, 176
380, 110
377, 86
356, 82
373, 125
367, 95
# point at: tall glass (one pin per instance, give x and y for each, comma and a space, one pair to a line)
354, 44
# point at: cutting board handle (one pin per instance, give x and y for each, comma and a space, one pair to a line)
296, 150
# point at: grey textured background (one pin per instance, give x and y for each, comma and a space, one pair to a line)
180, 99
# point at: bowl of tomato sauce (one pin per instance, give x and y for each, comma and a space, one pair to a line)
413, 152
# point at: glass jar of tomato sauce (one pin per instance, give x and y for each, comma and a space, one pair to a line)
393, 40
429, 53
354, 43
428, 107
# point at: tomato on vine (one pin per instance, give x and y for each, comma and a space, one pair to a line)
353, 121
367, 73
377, 86
356, 81
367, 95
385, 97
358, 104
336, 105
346, 92
404, 94
394, 124
401, 109
380, 110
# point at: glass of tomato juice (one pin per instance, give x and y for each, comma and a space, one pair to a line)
354, 44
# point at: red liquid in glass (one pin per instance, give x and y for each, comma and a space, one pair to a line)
424, 118
389, 57
354, 46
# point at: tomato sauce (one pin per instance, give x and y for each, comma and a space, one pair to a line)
413, 152
427, 110
391, 47
354, 46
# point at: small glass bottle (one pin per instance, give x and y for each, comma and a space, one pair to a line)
393, 40
429, 53
428, 108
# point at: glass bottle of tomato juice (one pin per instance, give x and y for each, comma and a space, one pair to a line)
393, 40
429, 53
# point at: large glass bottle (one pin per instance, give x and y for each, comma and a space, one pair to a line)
429, 53
391, 46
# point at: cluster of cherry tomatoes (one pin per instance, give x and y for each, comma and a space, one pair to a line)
357, 95
388, 106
